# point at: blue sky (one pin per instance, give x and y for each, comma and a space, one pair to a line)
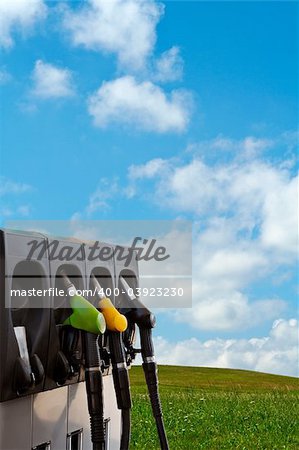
156, 113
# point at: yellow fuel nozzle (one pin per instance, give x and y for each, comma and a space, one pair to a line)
114, 320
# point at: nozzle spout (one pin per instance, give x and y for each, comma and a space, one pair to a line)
67, 284
97, 287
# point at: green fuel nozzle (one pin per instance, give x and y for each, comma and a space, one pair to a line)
91, 322
85, 316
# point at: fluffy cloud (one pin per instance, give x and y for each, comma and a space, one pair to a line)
280, 224
228, 311
276, 353
169, 67
51, 81
143, 105
126, 28
245, 230
242, 195
147, 170
20, 15
250, 146
98, 200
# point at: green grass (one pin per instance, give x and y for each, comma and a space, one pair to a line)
206, 408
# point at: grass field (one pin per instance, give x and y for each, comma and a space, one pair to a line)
206, 408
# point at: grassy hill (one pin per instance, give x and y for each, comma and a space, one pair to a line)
208, 408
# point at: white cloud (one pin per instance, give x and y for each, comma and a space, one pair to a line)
169, 67
280, 224
98, 200
21, 211
127, 28
276, 353
143, 105
51, 81
147, 170
223, 266
8, 186
19, 15
124, 27
249, 147
245, 214
247, 194
228, 311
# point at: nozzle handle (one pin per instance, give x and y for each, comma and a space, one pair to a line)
85, 316
147, 346
136, 311
114, 320
120, 372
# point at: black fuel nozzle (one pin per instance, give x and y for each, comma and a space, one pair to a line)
134, 309
120, 371
136, 312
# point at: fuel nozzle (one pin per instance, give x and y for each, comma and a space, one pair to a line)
85, 316
144, 319
91, 322
135, 310
114, 320
137, 313
117, 324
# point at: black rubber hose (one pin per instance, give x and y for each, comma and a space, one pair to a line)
116, 348
151, 377
121, 385
126, 429
94, 389
96, 446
